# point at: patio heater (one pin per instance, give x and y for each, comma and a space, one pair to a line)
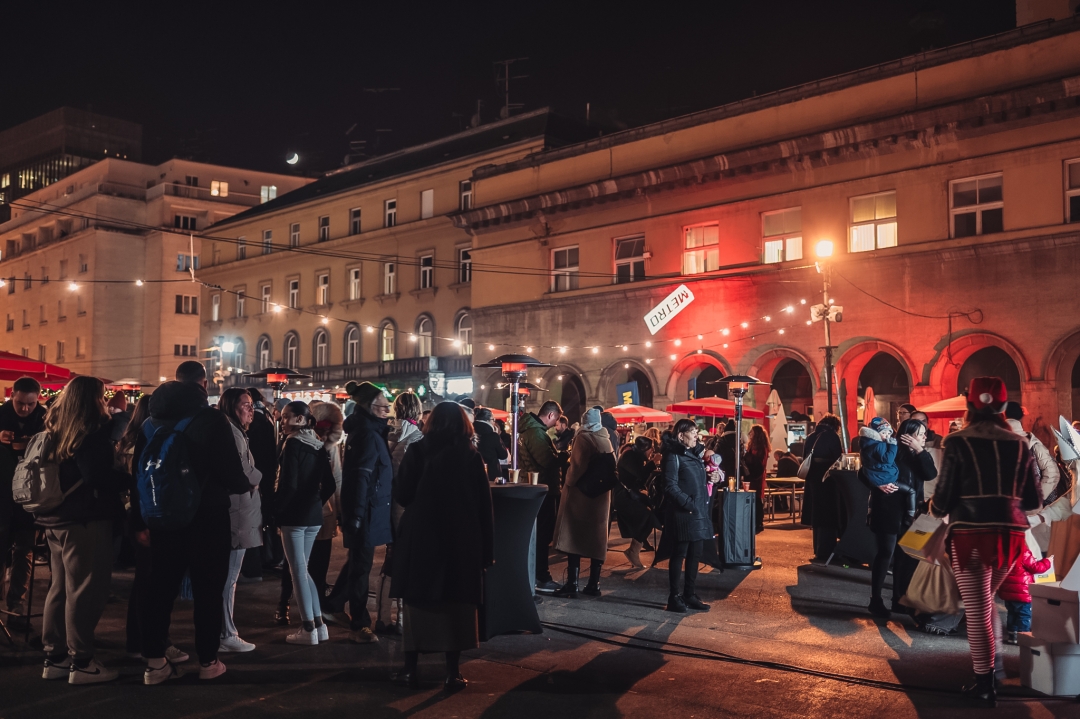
514, 368
739, 385
278, 378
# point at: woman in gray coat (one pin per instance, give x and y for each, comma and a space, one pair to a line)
582, 524
245, 511
686, 507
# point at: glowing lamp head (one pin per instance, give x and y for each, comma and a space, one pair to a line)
72, 286
824, 248
277, 378
228, 347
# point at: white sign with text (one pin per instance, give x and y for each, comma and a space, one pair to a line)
672, 305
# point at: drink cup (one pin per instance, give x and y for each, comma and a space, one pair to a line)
534, 478
746, 486
514, 475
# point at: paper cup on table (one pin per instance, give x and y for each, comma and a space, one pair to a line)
746, 486
514, 475
534, 478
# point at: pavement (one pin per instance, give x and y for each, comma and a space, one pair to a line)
789, 640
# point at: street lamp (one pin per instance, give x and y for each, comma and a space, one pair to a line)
514, 369
826, 312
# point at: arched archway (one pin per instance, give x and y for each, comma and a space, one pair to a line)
852, 358
566, 385
944, 372
793, 382
1060, 372
623, 372
692, 367
889, 380
990, 362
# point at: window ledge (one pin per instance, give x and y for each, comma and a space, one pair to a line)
62, 319
43, 322
80, 314
459, 286
424, 292
383, 299
358, 302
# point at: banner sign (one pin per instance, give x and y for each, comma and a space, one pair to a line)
628, 393
672, 305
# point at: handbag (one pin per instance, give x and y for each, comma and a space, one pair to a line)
804, 468
933, 590
599, 477
925, 539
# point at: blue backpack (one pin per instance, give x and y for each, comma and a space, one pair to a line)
169, 489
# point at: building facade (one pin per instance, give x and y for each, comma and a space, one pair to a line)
361, 275
97, 267
948, 186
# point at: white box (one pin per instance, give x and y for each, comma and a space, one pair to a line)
1055, 614
1050, 668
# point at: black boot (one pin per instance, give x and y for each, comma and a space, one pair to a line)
983, 691
281, 616
676, 604
593, 587
878, 609
693, 602
570, 589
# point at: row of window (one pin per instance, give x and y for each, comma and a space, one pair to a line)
61, 350
427, 209
421, 342
43, 279
61, 314
976, 207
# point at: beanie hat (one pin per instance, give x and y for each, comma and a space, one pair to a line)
1013, 410
119, 401
877, 423
987, 393
364, 393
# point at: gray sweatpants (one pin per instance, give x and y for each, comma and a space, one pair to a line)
81, 563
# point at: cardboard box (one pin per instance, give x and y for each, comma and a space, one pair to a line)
1050, 668
1055, 614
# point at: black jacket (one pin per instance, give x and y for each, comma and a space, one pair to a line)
827, 448
491, 449
367, 480
98, 497
24, 428
725, 447
686, 494
888, 513
634, 470
446, 535
263, 445
213, 449
304, 482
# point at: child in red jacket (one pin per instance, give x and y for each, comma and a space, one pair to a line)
1014, 590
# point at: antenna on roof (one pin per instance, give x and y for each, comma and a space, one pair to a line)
502, 82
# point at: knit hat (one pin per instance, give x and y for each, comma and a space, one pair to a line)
364, 393
119, 401
987, 393
878, 422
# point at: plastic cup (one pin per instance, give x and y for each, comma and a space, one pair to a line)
514, 475
534, 478
746, 486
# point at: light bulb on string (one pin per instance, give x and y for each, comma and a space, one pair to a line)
673, 357
596, 350
625, 348
370, 329
648, 344
725, 331
781, 331
326, 320
678, 343
529, 350
744, 325
802, 302
648, 361
701, 337
72, 286
138, 283
789, 309
626, 365
491, 347
562, 350
767, 318
725, 345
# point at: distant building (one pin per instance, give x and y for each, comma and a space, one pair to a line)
48, 148
72, 265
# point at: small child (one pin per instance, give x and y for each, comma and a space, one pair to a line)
1014, 590
877, 455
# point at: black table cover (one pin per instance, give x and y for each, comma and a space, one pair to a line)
508, 584
857, 541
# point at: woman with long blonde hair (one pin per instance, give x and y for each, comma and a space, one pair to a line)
79, 531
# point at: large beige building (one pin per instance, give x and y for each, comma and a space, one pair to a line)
361, 274
96, 266
947, 183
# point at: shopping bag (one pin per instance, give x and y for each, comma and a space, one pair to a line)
933, 590
1046, 577
804, 466
925, 539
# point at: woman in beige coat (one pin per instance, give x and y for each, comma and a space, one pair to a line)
582, 525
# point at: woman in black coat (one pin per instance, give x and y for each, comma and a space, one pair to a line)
820, 500
889, 516
445, 542
686, 502
633, 509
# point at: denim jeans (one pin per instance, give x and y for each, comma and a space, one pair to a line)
1018, 616
236, 561
297, 542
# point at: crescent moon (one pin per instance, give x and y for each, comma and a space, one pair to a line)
294, 159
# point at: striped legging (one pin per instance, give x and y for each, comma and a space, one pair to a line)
978, 583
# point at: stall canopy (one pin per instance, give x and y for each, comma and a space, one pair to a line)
946, 408
13, 366
627, 413
499, 413
713, 407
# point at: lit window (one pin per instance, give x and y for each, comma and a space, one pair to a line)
352, 345
292, 350
324, 289
324, 228
322, 349
294, 294
390, 213
465, 265
268, 192
564, 269
184, 222
354, 221
464, 333
263, 350
388, 341
354, 283
215, 308
465, 193
702, 250
427, 272
630, 259
389, 278
268, 242
1072, 192
219, 188
423, 337
240, 303
294, 234
873, 222
782, 235
427, 204
976, 206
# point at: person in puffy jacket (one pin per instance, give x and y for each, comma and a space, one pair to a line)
245, 511
79, 532
305, 481
1014, 592
877, 452
686, 507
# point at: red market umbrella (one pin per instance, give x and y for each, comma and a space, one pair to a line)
713, 407
946, 408
13, 366
498, 413
627, 413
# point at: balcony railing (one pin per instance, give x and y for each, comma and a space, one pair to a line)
415, 368
202, 193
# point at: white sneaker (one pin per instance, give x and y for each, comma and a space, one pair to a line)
212, 670
163, 673
235, 644
324, 633
303, 636
176, 655
57, 670
92, 673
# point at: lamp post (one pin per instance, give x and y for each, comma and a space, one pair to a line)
514, 368
826, 312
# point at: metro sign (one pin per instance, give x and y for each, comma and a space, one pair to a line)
672, 305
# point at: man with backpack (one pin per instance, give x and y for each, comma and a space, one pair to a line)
186, 466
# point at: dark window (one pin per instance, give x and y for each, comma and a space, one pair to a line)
964, 225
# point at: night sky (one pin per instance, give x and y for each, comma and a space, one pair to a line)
246, 84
